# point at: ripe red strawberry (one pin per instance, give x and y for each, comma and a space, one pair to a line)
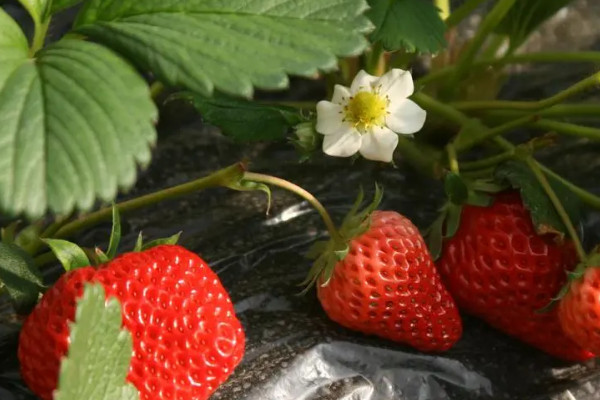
186, 337
498, 268
579, 310
387, 285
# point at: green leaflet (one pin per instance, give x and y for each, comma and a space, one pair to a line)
231, 46
14, 48
411, 25
245, 121
19, 276
525, 16
78, 109
99, 353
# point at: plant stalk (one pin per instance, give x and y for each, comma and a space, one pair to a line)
39, 36
462, 12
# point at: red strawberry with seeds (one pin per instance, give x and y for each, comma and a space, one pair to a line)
498, 268
579, 309
187, 339
387, 284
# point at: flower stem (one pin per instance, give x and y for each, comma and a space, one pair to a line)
490, 133
271, 180
488, 24
423, 160
437, 107
452, 158
568, 129
375, 63
531, 105
557, 111
541, 177
487, 162
462, 12
220, 178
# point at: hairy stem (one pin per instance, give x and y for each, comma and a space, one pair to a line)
289, 186
558, 206
219, 178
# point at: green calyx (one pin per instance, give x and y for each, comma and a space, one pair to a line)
71, 256
328, 253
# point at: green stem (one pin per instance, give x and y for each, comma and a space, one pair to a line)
564, 216
531, 105
420, 159
568, 129
491, 49
487, 134
557, 111
437, 107
488, 24
39, 36
588, 198
452, 158
462, 12
220, 178
444, 7
289, 186
375, 64
487, 162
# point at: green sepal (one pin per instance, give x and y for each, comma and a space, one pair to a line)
30, 235
115, 234
246, 185
69, 254
157, 242
328, 253
435, 234
100, 256
20, 277
7, 233
306, 139
139, 243
456, 188
452, 220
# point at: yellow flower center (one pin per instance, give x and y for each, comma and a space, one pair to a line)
366, 109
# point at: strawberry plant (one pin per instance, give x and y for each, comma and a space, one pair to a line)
78, 116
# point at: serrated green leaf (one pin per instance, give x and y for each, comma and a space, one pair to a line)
115, 234
157, 242
14, 48
544, 215
20, 277
78, 109
59, 5
456, 189
69, 254
231, 45
99, 352
525, 16
38, 9
246, 121
412, 25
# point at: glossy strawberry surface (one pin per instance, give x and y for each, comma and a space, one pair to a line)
388, 286
579, 311
186, 337
498, 268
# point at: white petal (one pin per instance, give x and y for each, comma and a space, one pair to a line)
342, 144
379, 144
396, 83
341, 94
405, 116
329, 117
363, 82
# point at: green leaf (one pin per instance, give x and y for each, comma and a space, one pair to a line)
20, 277
77, 109
456, 188
14, 48
99, 352
452, 220
69, 254
411, 25
38, 9
246, 185
59, 5
115, 235
246, 121
544, 216
525, 16
230, 45
157, 242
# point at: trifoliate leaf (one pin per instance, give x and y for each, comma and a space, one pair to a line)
246, 121
230, 45
20, 277
78, 109
411, 25
99, 352
69, 254
544, 215
525, 16
14, 48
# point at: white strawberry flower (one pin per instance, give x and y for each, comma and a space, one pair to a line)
368, 116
